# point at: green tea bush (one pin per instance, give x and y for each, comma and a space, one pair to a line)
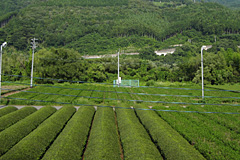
135, 140
72, 140
173, 146
103, 141
11, 118
35, 144
10, 136
7, 110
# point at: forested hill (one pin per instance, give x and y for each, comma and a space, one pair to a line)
230, 3
102, 26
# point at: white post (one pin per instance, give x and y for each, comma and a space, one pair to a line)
1, 74
32, 68
118, 69
3, 45
33, 47
203, 47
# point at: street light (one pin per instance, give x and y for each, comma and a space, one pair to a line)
119, 78
34, 46
2, 46
203, 47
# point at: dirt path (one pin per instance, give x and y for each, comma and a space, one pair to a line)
14, 92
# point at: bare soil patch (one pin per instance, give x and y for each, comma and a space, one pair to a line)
8, 93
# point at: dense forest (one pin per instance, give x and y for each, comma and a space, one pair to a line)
66, 30
92, 27
229, 3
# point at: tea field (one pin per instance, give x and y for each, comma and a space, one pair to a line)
106, 122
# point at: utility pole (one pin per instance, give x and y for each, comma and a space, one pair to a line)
203, 47
34, 46
3, 45
118, 70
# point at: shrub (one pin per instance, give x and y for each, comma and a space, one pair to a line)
11, 118
7, 110
35, 144
135, 140
72, 140
103, 141
171, 143
10, 136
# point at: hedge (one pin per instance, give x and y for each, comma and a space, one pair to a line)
7, 110
36, 143
10, 136
12, 118
136, 142
173, 146
72, 140
103, 142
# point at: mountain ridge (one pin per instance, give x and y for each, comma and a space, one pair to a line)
105, 26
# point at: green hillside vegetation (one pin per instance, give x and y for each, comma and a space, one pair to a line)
233, 4
221, 65
229, 3
103, 26
66, 30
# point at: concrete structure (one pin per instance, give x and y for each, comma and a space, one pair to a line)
177, 45
165, 51
107, 55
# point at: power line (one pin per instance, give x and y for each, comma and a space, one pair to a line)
71, 81
123, 107
130, 93
133, 100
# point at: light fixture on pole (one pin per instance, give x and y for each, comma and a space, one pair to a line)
34, 46
2, 46
203, 47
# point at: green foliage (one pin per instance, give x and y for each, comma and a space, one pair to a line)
217, 70
150, 83
34, 145
103, 141
72, 140
12, 135
7, 110
11, 118
229, 3
225, 44
9, 6
214, 135
92, 27
59, 63
93, 3
148, 53
170, 142
6, 18
135, 140
15, 63
102, 27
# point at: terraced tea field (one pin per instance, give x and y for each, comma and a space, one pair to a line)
105, 122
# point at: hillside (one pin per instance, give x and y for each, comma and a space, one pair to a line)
67, 30
229, 3
104, 26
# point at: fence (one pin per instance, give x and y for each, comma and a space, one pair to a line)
126, 83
